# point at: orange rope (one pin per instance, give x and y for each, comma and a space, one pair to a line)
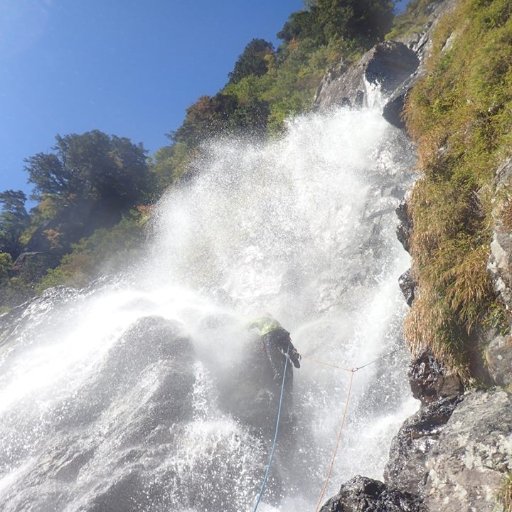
344, 417
326, 364
342, 424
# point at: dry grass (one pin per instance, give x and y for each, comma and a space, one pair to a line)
505, 493
460, 114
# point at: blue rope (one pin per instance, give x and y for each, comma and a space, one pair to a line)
271, 456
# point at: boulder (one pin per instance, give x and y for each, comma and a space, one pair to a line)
468, 464
368, 495
430, 380
410, 448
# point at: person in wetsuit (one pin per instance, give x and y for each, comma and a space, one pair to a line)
275, 338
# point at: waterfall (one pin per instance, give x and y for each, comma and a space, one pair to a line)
116, 397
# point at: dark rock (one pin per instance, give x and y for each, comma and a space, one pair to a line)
410, 448
393, 109
405, 226
430, 380
363, 494
387, 64
473, 455
408, 286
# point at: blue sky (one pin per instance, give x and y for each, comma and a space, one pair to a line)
127, 67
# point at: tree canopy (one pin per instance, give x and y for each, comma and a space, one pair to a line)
367, 20
92, 166
13, 221
253, 61
221, 114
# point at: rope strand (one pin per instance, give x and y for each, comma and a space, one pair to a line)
274, 442
338, 439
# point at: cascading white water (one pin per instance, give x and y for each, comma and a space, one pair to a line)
302, 227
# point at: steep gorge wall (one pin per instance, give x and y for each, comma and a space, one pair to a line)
455, 453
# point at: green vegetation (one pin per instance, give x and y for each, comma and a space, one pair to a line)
105, 251
92, 166
460, 115
14, 219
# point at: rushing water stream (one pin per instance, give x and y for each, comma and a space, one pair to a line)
302, 227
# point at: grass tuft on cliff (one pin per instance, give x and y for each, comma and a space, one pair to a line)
460, 114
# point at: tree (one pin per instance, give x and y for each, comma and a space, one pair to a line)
5, 265
367, 21
221, 114
301, 25
253, 60
14, 219
92, 166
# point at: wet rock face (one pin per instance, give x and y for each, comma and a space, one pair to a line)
387, 64
127, 421
368, 495
410, 449
439, 392
405, 226
431, 381
408, 286
474, 453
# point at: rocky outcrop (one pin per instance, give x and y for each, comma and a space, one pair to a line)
391, 66
473, 455
410, 449
405, 225
431, 381
408, 286
368, 495
386, 65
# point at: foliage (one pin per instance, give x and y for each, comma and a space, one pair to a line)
459, 114
253, 61
367, 21
221, 114
5, 265
91, 166
112, 247
13, 221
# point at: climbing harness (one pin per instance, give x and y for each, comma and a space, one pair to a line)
274, 442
